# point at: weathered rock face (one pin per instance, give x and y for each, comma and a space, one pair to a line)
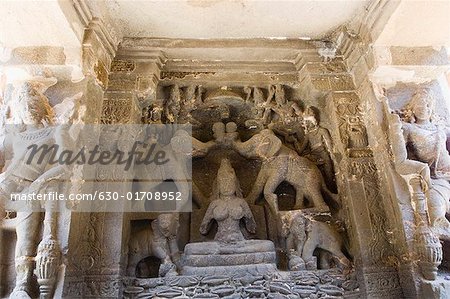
320, 168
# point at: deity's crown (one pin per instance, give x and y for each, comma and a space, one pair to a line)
225, 169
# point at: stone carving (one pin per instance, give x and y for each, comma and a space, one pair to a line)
351, 126
429, 196
304, 235
107, 287
88, 252
279, 164
317, 144
298, 284
230, 252
159, 241
260, 113
181, 75
116, 111
152, 115
426, 142
172, 105
30, 107
180, 104
118, 65
228, 208
428, 247
278, 108
48, 260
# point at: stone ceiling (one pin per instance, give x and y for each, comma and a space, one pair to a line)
229, 19
245, 30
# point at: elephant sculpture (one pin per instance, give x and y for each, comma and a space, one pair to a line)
158, 240
279, 164
304, 235
148, 177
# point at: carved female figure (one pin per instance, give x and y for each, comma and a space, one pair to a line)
228, 208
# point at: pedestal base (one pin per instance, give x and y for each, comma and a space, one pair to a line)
214, 258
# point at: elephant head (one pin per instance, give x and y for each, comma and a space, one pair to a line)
168, 224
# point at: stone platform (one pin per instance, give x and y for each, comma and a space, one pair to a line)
281, 285
215, 258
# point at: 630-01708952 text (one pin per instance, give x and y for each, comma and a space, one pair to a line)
98, 195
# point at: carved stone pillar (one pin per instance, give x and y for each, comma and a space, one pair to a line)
132, 87
93, 255
365, 202
421, 251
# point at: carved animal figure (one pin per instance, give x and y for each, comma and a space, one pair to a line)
160, 241
173, 169
304, 235
283, 164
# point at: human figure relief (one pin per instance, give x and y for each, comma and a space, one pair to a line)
317, 145
426, 142
280, 110
190, 101
228, 207
31, 113
172, 105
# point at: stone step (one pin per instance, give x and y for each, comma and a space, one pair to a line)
247, 246
229, 259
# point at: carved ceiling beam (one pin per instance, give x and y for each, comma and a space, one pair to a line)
133, 81
99, 41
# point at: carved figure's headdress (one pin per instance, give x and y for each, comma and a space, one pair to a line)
226, 170
419, 97
31, 103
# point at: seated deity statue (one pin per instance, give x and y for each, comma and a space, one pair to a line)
228, 208
426, 143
